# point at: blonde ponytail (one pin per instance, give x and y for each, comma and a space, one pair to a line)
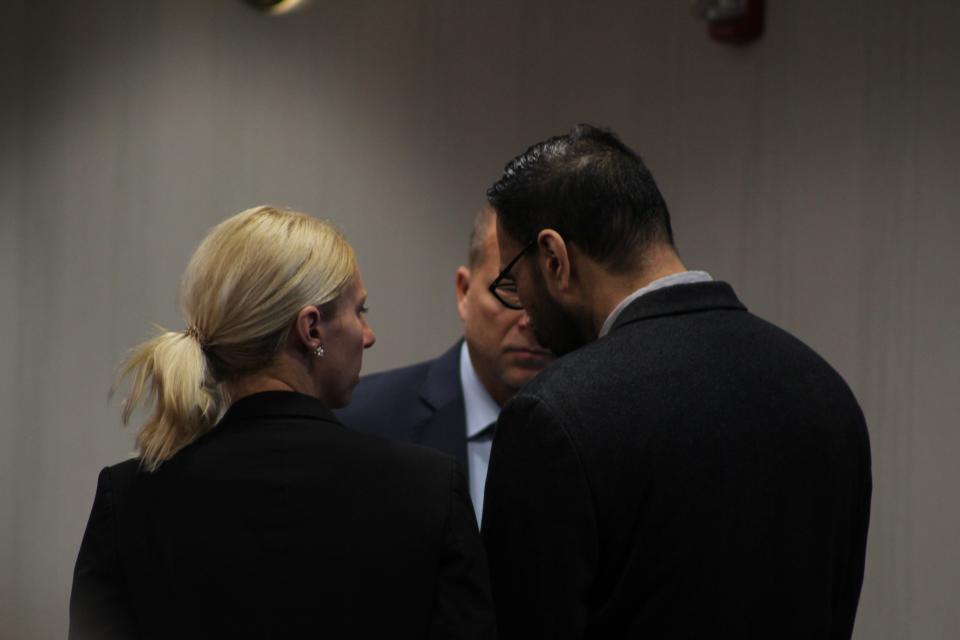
170, 373
241, 291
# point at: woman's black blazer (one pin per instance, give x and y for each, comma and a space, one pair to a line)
281, 523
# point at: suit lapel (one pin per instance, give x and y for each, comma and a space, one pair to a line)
443, 426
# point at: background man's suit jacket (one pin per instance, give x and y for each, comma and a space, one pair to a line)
421, 403
281, 523
697, 473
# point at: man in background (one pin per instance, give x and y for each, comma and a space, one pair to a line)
451, 403
685, 469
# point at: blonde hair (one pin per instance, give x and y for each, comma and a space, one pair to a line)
240, 294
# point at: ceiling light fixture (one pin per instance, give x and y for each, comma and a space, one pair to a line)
274, 7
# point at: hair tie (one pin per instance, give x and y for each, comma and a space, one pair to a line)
193, 332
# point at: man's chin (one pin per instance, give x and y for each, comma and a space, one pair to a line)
529, 358
563, 343
552, 326
554, 341
516, 378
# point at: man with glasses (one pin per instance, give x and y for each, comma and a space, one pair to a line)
685, 469
451, 403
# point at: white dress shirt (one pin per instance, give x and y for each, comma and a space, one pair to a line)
481, 410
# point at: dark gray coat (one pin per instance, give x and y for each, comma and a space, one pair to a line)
697, 473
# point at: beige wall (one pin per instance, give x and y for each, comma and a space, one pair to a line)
817, 171
11, 178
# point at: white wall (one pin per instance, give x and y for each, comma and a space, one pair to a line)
816, 170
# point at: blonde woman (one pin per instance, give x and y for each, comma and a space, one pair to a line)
250, 510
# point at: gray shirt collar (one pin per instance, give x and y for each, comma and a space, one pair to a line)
684, 277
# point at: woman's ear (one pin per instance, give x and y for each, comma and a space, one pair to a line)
306, 328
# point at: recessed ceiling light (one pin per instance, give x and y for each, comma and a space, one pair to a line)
274, 7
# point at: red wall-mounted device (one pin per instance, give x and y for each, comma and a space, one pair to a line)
732, 21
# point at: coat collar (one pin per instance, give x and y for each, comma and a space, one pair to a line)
442, 425
680, 299
441, 385
278, 404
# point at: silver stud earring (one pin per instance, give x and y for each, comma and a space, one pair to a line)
318, 351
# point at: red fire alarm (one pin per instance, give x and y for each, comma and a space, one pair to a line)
732, 21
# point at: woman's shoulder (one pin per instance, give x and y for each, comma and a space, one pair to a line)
399, 454
122, 472
315, 454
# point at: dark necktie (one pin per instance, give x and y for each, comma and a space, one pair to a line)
484, 434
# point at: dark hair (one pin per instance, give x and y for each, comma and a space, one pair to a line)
591, 188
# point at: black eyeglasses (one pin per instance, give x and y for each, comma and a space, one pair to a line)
504, 286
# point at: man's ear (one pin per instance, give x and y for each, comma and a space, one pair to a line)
307, 333
554, 258
462, 286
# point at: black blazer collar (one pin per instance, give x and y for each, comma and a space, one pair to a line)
278, 404
680, 299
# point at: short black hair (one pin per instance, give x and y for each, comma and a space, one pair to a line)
592, 189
